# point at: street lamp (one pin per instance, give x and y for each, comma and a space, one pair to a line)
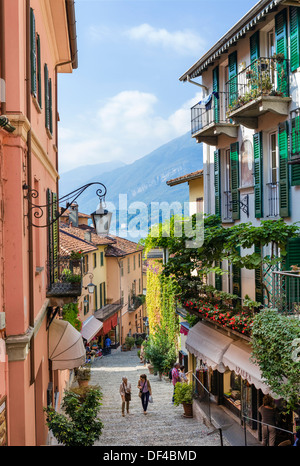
91, 287
101, 218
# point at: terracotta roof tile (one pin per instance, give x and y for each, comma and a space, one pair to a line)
81, 231
185, 178
69, 243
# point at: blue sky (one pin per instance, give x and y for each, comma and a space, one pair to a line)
125, 99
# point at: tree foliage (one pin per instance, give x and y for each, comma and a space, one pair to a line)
79, 424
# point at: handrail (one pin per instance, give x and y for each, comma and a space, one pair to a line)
208, 393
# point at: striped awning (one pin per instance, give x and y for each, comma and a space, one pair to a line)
238, 31
66, 348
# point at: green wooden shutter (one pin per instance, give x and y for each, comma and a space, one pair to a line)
39, 71
218, 277
295, 150
292, 253
96, 298
46, 79
55, 236
232, 75
216, 89
294, 37
283, 145
235, 180
236, 279
32, 52
50, 107
291, 285
258, 185
101, 295
217, 183
282, 48
104, 294
259, 296
254, 47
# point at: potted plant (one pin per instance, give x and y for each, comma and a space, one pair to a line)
83, 375
79, 425
138, 342
130, 342
184, 395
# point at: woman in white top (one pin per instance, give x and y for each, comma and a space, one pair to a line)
125, 392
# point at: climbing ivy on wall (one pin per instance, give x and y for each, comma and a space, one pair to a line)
153, 295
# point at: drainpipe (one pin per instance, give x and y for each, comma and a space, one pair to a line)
198, 84
29, 183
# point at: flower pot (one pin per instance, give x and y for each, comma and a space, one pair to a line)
83, 383
150, 367
188, 409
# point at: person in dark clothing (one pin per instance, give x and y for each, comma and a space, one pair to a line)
267, 412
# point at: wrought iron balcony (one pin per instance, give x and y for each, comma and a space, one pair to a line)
286, 292
261, 87
208, 119
64, 277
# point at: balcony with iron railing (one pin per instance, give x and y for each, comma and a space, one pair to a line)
286, 292
208, 119
64, 277
261, 87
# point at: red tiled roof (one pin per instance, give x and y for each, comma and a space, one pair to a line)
81, 230
185, 178
122, 247
69, 243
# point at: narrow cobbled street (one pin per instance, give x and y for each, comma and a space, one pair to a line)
164, 425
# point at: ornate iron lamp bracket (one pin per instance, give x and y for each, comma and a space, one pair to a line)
37, 211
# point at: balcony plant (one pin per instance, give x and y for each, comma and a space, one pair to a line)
184, 395
69, 277
79, 425
76, 255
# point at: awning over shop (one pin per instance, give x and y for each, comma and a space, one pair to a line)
66, 348
90, 328
238, 359
208, 345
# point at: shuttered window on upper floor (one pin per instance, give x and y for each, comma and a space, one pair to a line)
235, 180
294, 38
258, 174
48, 100
35, 60
284, 191
295, 147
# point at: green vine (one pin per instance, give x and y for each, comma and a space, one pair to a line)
70, 313
274, 338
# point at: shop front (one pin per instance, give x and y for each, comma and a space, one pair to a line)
224, 368
109, 329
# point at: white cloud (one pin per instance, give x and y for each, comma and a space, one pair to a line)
182, 42
126, 127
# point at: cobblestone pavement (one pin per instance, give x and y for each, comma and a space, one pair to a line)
164, 424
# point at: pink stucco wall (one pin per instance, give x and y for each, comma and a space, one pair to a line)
26, 420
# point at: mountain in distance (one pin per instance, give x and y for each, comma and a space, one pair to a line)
143, 180
73, 179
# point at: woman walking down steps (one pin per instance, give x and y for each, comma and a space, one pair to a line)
165, 424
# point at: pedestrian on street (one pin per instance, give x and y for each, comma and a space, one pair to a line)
267, 412
175, 377
144, 391
125, 392
107, 345
183, 375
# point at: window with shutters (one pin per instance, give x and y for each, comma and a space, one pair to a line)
217, 182
273, 181
48, 102
294, 14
